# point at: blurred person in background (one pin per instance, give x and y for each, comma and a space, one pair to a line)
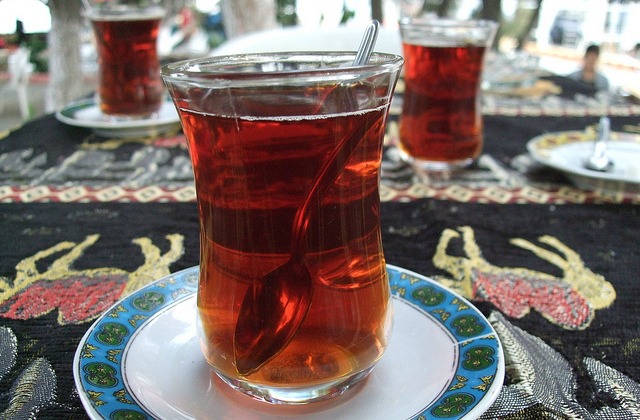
589, 73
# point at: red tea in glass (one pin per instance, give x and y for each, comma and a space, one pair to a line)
128, 63
441, 123
258, 146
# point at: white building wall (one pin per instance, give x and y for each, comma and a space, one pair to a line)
593, 26
630, 34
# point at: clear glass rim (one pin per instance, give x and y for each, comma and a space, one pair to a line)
429, 22
331, 65
118, 12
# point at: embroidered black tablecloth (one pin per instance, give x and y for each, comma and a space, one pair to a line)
84, 220
63, 265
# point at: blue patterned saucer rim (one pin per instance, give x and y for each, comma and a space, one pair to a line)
470, 387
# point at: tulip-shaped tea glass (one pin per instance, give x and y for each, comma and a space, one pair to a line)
441, 124
126, 33
293, 300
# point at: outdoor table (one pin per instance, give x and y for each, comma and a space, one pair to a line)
84, 220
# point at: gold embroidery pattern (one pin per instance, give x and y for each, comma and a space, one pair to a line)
34, 293
568, 301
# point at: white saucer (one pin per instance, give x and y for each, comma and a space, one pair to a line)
87, 114
567, 151
142, 357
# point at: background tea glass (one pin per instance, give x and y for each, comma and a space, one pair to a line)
293, 299
441, 122
126, 33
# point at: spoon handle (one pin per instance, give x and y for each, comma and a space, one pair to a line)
330, 171
366, 45
339, 156
604, 129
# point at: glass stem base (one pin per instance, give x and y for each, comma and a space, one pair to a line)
423, 165
298, 394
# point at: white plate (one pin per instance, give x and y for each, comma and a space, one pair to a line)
567, 151
87, 114
142, 359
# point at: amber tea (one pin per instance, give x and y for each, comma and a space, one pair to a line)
346, 261
441, 118
128, 63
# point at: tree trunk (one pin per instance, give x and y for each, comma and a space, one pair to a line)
443, 9
65, 69
522, 38
246, 16
376, 10
492, 10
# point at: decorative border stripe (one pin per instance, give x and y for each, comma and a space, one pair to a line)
80, 194
500, 195
155, 194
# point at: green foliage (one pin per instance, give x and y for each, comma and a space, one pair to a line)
37, 44
346, 14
